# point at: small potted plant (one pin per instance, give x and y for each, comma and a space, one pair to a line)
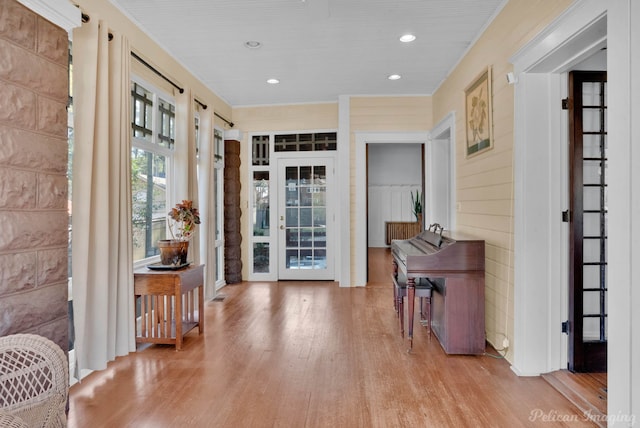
181, 221
417, 205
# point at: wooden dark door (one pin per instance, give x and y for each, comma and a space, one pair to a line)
588, 221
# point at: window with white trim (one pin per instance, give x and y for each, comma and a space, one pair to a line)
152, 148
218, 152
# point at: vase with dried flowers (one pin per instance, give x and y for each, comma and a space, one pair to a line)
181, 221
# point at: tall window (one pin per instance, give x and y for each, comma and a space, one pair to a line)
218, 152
153, 127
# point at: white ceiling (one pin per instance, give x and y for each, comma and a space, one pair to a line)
318, 49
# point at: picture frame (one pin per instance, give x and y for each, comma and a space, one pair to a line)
479, 114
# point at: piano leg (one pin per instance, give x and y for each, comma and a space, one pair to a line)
395, 291
398, 296
411, 294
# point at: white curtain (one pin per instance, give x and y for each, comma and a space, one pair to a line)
206, 172
102, 238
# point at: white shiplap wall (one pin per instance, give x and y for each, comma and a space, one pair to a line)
388, 203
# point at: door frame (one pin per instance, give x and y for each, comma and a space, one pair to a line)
360, 203
584, 356
540, 238
444, 133
331, 198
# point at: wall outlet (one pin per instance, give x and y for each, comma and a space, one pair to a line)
505, 343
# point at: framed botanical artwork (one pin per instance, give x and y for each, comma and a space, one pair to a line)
478, 114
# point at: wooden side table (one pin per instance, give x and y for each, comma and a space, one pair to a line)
167, 304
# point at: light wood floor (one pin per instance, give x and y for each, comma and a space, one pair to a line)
311, 354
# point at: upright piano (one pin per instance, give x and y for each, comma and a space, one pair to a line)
454, 264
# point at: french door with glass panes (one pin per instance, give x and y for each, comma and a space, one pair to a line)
588, 221
305, 218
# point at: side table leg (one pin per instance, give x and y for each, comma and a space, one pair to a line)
179, 320
411, 294
201, 309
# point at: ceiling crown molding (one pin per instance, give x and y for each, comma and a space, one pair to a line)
60, 12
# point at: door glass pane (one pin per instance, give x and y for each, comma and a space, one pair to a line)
293, 240
291, 192
219, 186
306, 259
305, 174
292, 259
319, 174
306, 237
220, 262
291, 173
594, 216
591, 328
292, 217
261, 257
261, 203
306, 215
260, 150
319, 217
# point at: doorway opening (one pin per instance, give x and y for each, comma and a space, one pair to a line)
541, 239
292, 206
445, 136
395, 175
360, 227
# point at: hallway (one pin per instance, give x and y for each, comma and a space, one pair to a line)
311, 354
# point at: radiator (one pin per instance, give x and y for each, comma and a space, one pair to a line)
401, 230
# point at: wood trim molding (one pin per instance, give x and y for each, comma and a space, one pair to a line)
60, 12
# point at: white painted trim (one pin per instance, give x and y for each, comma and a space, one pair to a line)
233, 134
447, 124
60, 12
362, 139
272, 238
567, 27
623, 247
343, 180
540, 175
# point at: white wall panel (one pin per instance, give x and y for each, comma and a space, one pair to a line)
388, 203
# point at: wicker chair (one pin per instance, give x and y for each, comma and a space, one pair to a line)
34, 380
7, 420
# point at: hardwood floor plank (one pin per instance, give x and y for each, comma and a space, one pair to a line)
587, 391
312, 354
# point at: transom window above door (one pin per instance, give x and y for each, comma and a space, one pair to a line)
303, 142
321, 141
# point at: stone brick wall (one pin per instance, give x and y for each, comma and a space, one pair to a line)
33, 166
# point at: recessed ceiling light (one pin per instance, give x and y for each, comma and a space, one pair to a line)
394, 77
252, 44
407, 38
273, 81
